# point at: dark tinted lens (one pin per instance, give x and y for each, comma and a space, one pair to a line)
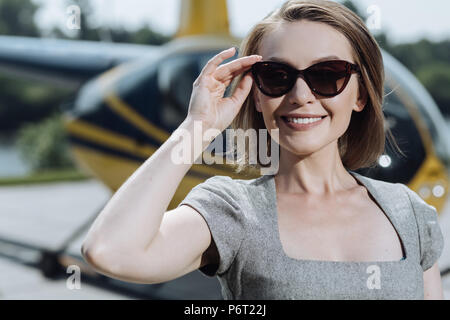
273, 79
327, 77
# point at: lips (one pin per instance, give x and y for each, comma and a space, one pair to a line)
302, 126
303, 115
295, 116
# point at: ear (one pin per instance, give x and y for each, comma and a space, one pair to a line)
256, 100
362, 98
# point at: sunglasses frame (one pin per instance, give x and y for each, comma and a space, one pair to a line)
295, 73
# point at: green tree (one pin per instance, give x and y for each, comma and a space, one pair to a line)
43, 145
21, 100
428, 61
16, 18
87, 31
435, 76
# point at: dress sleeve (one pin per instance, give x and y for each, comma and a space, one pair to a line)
430, 234
218, 200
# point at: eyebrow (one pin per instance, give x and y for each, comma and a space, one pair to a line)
332, 57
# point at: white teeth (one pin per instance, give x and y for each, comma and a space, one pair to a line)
303, 120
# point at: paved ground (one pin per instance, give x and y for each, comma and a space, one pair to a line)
21, 282
40, 215
45, 216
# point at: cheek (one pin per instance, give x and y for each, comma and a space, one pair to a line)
341, 107
339, 120
269, 108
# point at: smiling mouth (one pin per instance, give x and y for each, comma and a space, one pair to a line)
302, 126
286, 118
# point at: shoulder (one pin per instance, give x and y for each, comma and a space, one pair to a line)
383, 188
393, 196
248, 196
234, 185
221, 189
399, 195
407, 206
228, 180
416, 200
431, 239
221, 185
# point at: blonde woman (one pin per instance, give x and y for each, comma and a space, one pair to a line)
315, 229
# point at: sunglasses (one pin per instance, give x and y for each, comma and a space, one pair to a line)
327, 78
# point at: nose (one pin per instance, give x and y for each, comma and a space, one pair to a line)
301, 93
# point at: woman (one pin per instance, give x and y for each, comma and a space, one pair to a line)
314, 229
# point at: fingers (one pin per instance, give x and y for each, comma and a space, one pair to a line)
243, 89
224, 72
215, 61
233, 68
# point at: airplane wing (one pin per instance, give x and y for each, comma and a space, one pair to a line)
67, 63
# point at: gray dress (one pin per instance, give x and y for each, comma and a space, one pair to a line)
242, 217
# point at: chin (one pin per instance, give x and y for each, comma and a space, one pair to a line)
301, 150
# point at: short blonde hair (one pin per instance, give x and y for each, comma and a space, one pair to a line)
364, 141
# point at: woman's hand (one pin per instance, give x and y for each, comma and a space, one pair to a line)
207, 103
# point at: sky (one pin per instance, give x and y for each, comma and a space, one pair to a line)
402, 20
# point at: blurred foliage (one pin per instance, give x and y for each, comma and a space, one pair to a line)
30, 110
17, 18
20, 100
422, 53
23, 101
436, 78
89, 30
44, 145
143, 35
45, 176
428, 61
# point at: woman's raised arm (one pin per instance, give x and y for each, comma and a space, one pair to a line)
134, 238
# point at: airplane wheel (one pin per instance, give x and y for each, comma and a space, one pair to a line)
49, 264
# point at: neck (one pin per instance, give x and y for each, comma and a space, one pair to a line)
319, 173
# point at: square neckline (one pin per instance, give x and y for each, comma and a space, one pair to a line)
372, 192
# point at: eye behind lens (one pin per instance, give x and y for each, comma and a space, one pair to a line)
326, 78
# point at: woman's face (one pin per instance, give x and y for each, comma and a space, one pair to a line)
300, 43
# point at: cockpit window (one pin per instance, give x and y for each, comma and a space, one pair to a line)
176, 75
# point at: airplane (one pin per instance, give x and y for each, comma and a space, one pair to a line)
130, 98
